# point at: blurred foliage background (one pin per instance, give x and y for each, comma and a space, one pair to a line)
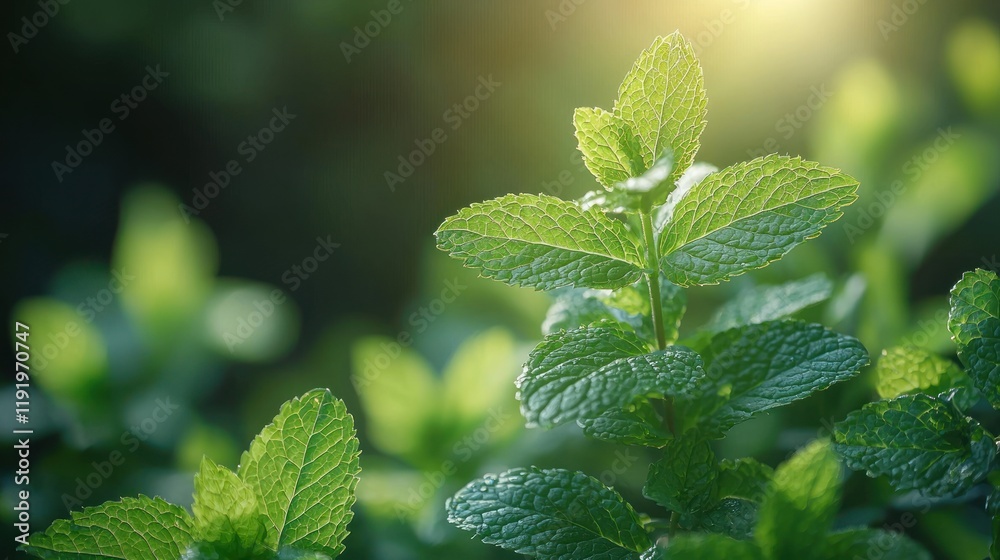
166, 332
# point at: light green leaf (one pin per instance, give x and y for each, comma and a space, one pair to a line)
800, 506
906, 370
749, 215
551, 515
582, 373
652, 179
664, 213
226, 512
131, 529
705, 547
860, 543
478, 380
304, 469
768, 303
917, 442
635, 424
759, 367
663, 101
975, 323
542, 242
744, 478
610, 149
685, 479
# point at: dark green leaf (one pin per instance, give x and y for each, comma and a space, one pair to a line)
684, 480
768, 303
636, 424
975, 323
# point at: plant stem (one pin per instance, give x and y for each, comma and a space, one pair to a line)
653, 278
675, 521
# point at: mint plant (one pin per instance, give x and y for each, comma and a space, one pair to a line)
290, 498
617, 261
921, 437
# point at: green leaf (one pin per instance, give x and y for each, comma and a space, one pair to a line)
749, 215
768, 303
664, 213
800, 506
993, 509
610, 149
917, 442
705, 547
303, 468
685, 479
542, 242
629, 306
652, 179
550, 514
860, 543
582, 373
975, 323
131, 529
226, 512
663, 101
635, 424
733, 517
906, 370
759, 367
744, 478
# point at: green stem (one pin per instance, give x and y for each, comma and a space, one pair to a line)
653, 278
675, 521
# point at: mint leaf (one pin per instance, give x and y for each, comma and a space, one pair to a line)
635, 424
759, 367
801, 503
768, 303
917, 442
652, 179
542, 242
684, 480
132, 528
303, 468
975, 323
610, 149
749, 215
744, 478
582, 373
664, 213
733, 517
226, 512
860, 543
705, 547
550, 514
662, 99
906, 370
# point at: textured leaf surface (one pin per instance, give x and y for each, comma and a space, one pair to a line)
744, 478
733, 517
304, 469
917, 442
705, 547
904, 370
759, 367
610, 149
130, 529
663, 101
550, 514
583, 373
636, 424
975, 323
226, 512
862, 543
768, 303
749, 215
542, 242
685, 479
800, 506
